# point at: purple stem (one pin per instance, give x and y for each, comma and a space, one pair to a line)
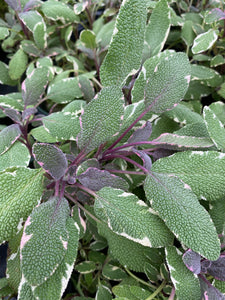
57, 188
126, 172
172, 295
89, 191
129, 145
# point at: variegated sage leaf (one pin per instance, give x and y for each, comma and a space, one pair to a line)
8, 137
128, 216
125, 50
178, 206
18, 64
204, 41
204, 171
21, 191
192, 261
186, 284
45, 239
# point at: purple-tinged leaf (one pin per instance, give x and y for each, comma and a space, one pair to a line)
192, 261
14, 4
50, 158
214, 15
31, 4
8, 136
217, 268
141, 134
96, 179
147, 162
205, 264
13, 114
209, 292
28, 112
160, 153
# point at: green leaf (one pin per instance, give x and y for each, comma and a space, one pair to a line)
217, 213
112, 272
51, 159
18, 64
36, 24
187, 286
221, 90
217, 60
79, 7
201, 72
130, 217
102, 118
4, 75
41, 135
4, 32
17, 155
158, 27
125, 50
45, 239
88, 39
8, 137
187, 33
25, 192
104, 35
132, 292
85, 267
103, 293
215, 128
214, 15
178, 206
65, 90
204, 41
59, 11
219, 110
203, 171
34, 86
12, 101
86, 87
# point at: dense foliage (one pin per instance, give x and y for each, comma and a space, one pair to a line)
108, 181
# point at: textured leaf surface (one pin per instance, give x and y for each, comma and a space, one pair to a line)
125, 50
102, 118
88, 39
130, 291
203, 171
204, 41
8, 137
210, 292
217, 213
17, 156
50, 158
128, 216
214, 15
41, 135
192, 260
158, 27
103, 292
187, 33
25, 186
17, 64
215, 128
34, 86
4, 75
178, 206
186, 284
141, 134
45, 239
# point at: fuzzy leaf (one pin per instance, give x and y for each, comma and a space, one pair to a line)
158, 27
18, 64
186, 284
147, 162
50, 158
128, 216
103, 293
125, 50
113, 273
86, 87
215, 128
45, 239
34, 86
204, 41
210, 292
201, 73
102, 118
65, 90
4, 32
214, 15
178, 206
14, 4
203, 171
88, 39
36, 24
130, 291
217, 268
217, 213
96, 179
4, 75
187, 33
25, 192
85, 267
192, 261
41, 135
141, 134
8, 137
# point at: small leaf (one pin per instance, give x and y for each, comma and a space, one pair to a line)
192, 261
215, 128
8, 137
201, 72
13, 4
86, 87
4, 75
214, 15
45, 239
187, 33
50, 158
4, 32
216, 268
79, 7
18, 64
204, 41
104, 35
85, 267
112, 272
41, 135
88, 39
103, 293
186, 284
125, 215
147, 162
14, 206
102, 118
34, 86
141, 134
178, 206
209, 291
217, 213
125, 50
130, 291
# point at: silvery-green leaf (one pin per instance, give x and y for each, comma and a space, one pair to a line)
201, 72
17, 155
217, 60
203, 171
88, 39
158, 27
55, 10
102, 118
187, 33
41, 135
4, 32
4, 75
130, 217
217, 213
103, 293
196, 129
89, 163
104, 35
79, 7
86, 87
65, 90
45, 239
8, 137
187, 286
30, 48
215, 128
75, 107
36, 24
62, 125
113, 272
197, 90
125, 50
12, 100
25, 291
18, 64
204, 41
178, 206
30, 4
192, 261
221, 90
130, 291
51, 159
85, 267
25, 193
214, 15
34, 86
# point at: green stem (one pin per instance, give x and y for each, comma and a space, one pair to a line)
156, 292
140, 280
